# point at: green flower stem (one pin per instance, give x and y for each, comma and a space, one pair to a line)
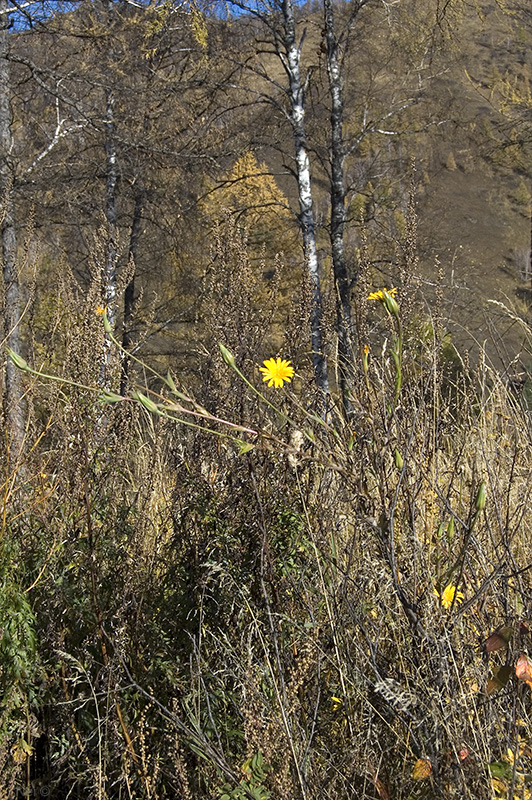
16, 360
195, 425
230, 361
167, 381
392, 308
145, 401
198, 412
397, 354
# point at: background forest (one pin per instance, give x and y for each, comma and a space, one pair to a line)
212, 587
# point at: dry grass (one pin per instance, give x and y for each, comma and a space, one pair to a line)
193, 623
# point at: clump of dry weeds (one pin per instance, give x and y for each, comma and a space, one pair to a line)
340, 611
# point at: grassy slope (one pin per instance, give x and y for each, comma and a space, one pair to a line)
469, 217
191, 610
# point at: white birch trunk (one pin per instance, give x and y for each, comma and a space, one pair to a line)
109, 278
111, 185
306, 211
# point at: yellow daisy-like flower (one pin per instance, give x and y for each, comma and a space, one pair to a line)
380, 294
449, 594
277, 371
100, 311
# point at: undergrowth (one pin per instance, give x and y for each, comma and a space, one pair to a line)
301, 606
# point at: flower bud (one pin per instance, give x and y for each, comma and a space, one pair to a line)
148, 404
110, 397
390, 304
480, 502
17, 360
450, 529
227, 356
107, 325
365, 358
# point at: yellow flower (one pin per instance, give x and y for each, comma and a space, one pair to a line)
448, 595
277, 371
336, 703
100, 311
380, 294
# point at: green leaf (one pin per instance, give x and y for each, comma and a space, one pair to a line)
26, 746
173, 388
170, 382
244, 447
500, 769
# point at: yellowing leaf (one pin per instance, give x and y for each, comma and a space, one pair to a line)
500, 678
523, 669
336, 703
422, 769
20, 751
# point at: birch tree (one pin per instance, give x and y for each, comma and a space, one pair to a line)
337, 49
282, 39
131, 71
289, 51
383, 115
280, 31
337, 192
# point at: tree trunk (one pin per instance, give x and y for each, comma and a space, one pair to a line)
306, 211
111, 185
129, 294
111, 182
337, 159
13, 404
530, 254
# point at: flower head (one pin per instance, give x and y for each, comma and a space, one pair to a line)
277, 371
449, 595
380, 294
100, 311
387, 298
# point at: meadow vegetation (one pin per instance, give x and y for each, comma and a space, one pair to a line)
219, 581
271, 603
